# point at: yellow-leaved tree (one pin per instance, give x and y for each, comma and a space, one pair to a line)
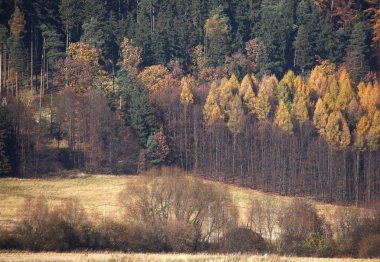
153, 77
361, 130
283, 118
337, 132
320, 117
131, 56
235, 115
227, 91
299, 107
321, 77
374, 132
288, 79
187, 97
211, 110
262, 106
247, 93
346, 91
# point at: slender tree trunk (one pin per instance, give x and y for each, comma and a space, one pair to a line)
357, 170
1, 72
17, 86
31, 58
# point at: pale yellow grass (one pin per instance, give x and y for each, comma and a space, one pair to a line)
94, 191
63, 257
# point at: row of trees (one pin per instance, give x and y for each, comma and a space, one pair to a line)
317, 137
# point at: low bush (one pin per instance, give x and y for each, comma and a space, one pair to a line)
369, 246
242, 239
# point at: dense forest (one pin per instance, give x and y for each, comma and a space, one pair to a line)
282, 96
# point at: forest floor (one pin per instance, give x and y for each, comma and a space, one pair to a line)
98, 195
123, 257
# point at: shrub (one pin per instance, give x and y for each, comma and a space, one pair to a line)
298, 223
242, 239
370, 246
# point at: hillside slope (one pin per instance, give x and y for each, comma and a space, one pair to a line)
98, 194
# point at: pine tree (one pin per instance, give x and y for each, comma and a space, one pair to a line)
320, 117
17, 50
141, 113
8, 151
217, 29
72, 14
54, 46
94, 34
303, 50
283, 118
156, 148
358, 50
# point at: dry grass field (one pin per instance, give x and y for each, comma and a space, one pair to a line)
98, 194
113, 257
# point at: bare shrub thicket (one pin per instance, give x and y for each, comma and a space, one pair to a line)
358, 233
178, 211
263, 217
63, 227
303, 231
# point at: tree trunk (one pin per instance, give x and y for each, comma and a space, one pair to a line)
31, 58
1, 71
357, 178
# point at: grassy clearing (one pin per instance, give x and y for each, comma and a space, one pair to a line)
94, 257
96, 190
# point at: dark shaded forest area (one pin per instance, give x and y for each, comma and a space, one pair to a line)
281, 96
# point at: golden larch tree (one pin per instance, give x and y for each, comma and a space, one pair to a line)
283, 118
361, 130
346, 91
337, 132
320, 117
299, 107
374, 132
211, 110
236, 115
187, 97
262, 105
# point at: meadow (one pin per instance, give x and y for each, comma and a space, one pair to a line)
98, 195
113, 257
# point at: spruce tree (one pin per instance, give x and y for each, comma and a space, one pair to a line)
358, 50
217, 29
141, 115
8, 150
303, 50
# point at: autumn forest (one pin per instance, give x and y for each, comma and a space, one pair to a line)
280, 96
